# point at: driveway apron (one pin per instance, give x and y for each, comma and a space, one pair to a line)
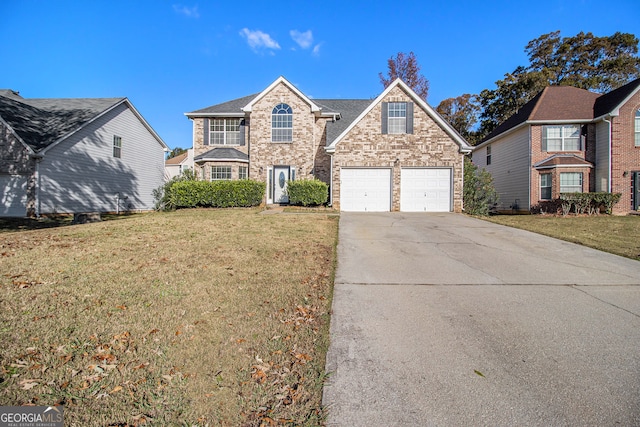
447, 320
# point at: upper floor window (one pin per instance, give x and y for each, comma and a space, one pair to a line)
561, 138
397, 117
117, 146
224, 131
282, 123
488, 155
637, 128
571, 182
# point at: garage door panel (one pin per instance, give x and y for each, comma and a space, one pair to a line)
425, 190
365, 190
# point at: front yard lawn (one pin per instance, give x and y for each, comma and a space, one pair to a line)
195, 317
618, 235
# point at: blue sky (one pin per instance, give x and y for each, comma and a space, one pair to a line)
171, 57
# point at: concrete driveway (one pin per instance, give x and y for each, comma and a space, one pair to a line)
446, 320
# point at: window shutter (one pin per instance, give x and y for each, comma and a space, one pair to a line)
205, 129
385, 117
242, 132
544, 138
409, 117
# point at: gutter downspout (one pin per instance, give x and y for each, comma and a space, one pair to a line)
331, 180
37, 158
610, 165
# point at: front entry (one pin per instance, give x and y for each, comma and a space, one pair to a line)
281, 174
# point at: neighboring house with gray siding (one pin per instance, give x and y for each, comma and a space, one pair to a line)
567, 140
76, 155
391, 153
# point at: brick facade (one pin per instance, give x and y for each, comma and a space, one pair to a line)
363, 146
625, 156
428, 146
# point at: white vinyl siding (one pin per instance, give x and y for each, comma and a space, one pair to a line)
602, 156
510, 168
13, 195
81, 174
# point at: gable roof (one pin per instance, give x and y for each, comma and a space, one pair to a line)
177, 159
347, 111
444, 125
42, 123
281, 80
553, 104
566, 104
611, 102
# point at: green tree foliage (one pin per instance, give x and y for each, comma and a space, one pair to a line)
406, 68
462, 113
480, 195
586, 61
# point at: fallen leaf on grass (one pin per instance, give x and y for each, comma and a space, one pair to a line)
116, 389
28, 384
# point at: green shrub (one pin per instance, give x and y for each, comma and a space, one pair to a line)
307, 192
161, 195
479, 193
215, 194
590, 203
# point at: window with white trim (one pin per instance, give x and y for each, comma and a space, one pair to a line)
561, 138
117, 146
219, 173
571, 182
545, 186
397, 117
242, 172
282, 123
224, 132
637, 129
488, 155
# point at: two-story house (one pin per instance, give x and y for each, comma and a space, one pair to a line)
392, 153
567, 140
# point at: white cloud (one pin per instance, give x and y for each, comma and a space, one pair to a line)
257, 39
190, 12
304, 40
316, 49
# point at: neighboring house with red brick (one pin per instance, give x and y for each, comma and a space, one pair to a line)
76, 155
176, 165
567, 140
392, 153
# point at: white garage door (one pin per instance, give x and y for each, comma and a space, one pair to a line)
13, 195
425, 190
365, 190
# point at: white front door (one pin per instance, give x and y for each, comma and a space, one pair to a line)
365, 190
281, 174
425, 190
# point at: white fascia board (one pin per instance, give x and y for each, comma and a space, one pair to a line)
464, 146
562, 166
24, 144
314, 108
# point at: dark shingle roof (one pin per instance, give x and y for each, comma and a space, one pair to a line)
610, 101
553, 103
222, 153
41, 122
230, 107
349, 110
562, 160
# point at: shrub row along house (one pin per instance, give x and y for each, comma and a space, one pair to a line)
567, 140
392, 153
76, 155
